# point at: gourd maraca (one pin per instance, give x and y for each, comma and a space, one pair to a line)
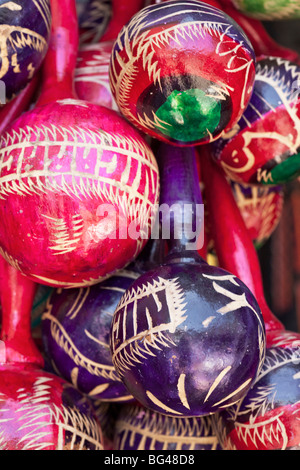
76, 326
187, 339
138, 428
266, 10
182, 72
73, 176
24, 33
261, 41
92, 74
263, 148
93, 18
39, 411
267, 418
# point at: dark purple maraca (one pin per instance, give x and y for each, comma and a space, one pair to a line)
138, 428
76, 326
24, 40
187, 338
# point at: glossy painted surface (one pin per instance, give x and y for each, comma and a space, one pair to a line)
267, 417
75, 331
92, 74
25, 33
187, 338
182, 72
40, 411
266, 10
264, 146
81, 174
261, 208
138, 428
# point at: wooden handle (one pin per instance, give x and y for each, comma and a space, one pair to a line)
233, 244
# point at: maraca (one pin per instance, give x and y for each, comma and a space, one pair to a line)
73, 178
182, 72
187, 338
266, 10
92, 74
24, 33
138, 428
93, 18
267, 417
263, 148
39, 411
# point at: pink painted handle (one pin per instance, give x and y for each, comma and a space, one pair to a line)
233, 244
261, 41
17, 295
60, 62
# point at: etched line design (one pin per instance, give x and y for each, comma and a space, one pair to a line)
160, 404
131, 343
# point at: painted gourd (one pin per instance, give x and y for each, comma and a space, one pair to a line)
267, 417
24, 33
92, 74
39, 411
187, 339
76, 326
261, 208
138, 428
93, 18
266, 10
264, 146
182, 72
73, 177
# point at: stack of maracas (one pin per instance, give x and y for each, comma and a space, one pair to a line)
104, 162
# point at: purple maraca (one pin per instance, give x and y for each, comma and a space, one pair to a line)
138, 428
187, 338
24, 33
76, 326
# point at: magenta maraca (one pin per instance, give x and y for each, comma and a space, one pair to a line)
76, 325
24, 33
267, 417
139, 428
182, 72
187, 338
39, 411
263, 148
73, 178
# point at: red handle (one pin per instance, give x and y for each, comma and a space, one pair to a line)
17, 295
233, 244
122, 12
60, 62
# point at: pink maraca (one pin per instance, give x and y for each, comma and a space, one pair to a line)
74, 176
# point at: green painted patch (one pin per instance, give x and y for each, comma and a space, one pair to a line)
191, 115
267, 7
286, 171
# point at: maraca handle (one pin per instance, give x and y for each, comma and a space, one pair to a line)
122, 12
60, 62
233, 244
262, 43
17, 295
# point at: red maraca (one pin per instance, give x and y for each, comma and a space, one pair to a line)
39, 411
73, 177
122, 12
267, 418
